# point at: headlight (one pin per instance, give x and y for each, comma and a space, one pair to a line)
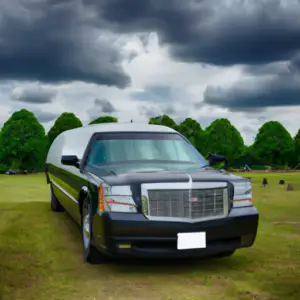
242, 193
116, 202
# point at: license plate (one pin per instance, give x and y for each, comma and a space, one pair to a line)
191, 240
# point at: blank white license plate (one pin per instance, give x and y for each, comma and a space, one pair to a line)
191, 240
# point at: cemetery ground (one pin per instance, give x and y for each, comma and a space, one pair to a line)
41, 254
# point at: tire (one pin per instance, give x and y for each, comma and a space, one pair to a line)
91, 254
55, 204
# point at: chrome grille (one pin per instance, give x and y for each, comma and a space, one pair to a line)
193, 204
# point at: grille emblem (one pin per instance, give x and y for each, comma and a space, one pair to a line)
194, 199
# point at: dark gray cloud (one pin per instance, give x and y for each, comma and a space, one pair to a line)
34, 94
65, 40
101, 107
104, 105
57, 41
211, 31
257, 93
267, 69
294, 66
273, 85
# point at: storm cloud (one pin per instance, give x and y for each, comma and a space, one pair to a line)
75, 40
101, 107
57, 41
227, 33
256, 93
104, 105
271, 85
33, 94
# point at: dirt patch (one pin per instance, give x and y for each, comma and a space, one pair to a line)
286, 223
291, 236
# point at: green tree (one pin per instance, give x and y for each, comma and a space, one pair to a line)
297, 147
164, 120
23, 142
105, 119
273, 144
221, 137
246, 158
65, 121
192, 130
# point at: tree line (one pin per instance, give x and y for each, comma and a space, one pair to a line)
24, 144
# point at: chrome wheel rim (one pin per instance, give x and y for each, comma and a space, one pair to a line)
86, 226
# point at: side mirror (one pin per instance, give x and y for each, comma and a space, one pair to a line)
70, 160
215, 159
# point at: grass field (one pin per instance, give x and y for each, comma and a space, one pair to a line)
41, 254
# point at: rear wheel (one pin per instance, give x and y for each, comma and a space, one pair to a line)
91, 254
55, 204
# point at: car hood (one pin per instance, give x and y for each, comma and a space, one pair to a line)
165, 176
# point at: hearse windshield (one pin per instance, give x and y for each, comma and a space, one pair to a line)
143, 151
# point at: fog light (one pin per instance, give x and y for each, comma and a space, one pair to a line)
124, 246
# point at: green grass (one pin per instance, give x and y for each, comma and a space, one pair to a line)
41, 254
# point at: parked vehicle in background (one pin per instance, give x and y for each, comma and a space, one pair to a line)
140, 190
11, 172
15, 172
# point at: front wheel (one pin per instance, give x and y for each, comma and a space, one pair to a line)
55, 204
91, 254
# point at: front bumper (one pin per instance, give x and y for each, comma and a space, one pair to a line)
133, 235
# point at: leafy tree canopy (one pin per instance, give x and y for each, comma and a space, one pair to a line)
65, 121
273, 144
192, 130
22, 142
223, 138
297, 147
105, 119
164, 120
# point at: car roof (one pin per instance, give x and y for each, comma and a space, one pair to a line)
123, 127
74, 141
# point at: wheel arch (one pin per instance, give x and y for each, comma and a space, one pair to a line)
84, 192
88, 191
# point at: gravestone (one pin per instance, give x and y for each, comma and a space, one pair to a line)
290, 187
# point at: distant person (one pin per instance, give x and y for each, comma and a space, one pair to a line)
265, 183
247, 168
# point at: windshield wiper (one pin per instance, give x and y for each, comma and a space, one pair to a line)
205, 166
112, 172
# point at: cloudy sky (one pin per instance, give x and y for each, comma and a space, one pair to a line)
134, 59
